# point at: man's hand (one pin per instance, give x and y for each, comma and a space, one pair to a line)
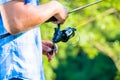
47, 49
61, 12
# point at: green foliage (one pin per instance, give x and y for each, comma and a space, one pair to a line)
82, 67
97, 35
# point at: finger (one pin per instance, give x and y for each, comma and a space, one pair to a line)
46, 49
50, 44
54, 50
59, 20
47, 43
50, 57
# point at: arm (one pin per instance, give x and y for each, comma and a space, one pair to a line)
18, 17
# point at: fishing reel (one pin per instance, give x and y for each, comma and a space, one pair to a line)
63, 35
69, 32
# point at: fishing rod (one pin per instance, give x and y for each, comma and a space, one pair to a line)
76, 9
84, 6
67, 32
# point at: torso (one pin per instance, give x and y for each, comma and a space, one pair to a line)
21, 54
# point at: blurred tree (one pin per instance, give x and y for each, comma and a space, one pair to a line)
82, 67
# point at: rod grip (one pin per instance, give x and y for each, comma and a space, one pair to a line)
51, 19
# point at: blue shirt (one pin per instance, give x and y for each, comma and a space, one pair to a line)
21, 54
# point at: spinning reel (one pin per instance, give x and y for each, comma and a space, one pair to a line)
63, 35
66, 34
69, 32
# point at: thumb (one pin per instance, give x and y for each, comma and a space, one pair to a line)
46, 49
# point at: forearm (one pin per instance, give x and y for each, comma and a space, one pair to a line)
18, 17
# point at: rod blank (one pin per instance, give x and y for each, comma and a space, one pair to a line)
84, 6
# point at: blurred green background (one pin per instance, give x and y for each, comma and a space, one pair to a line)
94, 52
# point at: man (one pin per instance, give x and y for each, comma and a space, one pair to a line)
21, 52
